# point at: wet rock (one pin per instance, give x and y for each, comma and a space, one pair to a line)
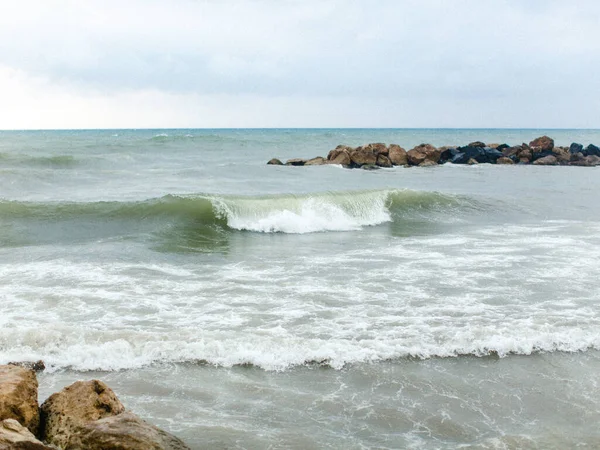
448, 154
18, 396
542, 144
370, 167
504, 160
383, 161
501, 147
36, 366
476, 144
75, 406
591, 150
125, 431
423, 152
397, 155
318, 161
275, 162
549, 160
575, 148
295, 162
13, 435
361, 157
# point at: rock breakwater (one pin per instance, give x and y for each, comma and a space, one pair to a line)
541, 151
84, 415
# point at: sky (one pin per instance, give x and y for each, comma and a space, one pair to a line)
310, 63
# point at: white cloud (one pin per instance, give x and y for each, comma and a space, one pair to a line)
300, 63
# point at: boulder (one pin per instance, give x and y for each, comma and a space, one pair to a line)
501, 147
542, 144
549, 160
495, 146
337, 151
592, 150
423, 152
428, 163
295, 162
525, 155
479, 154
275, 162
18, 396
447, 154
362, 157
318, 161
575, 148
341, 157
75, 406
562, 154
586, 161
13, 436
510, 151
379, 149
397, 155
125, 431
504, 160
36, 366
383, 161
476, 144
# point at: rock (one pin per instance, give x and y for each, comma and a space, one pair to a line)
562, 154
575, 148
275, 162
476, 144
510, 151
542, 144
36, 366
295, 162
383, 161
577, 157
504, 160
501, 147
549, 160
525, 155
428, 163
495, 146
586, 161
125, 431
379, 149
333, 154
448, 154
75, 406
370, 167
591, 150
423, 152
362, 157
479, 154
318, 161
13, 435
472, 161
397, 155
342, 157
18, 396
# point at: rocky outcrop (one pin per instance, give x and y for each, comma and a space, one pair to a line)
275, 162
125, 431
18, 396
378, 155
14, 436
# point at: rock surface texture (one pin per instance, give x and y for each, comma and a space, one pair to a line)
14, 436
18, 396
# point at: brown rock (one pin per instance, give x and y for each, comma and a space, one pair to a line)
510, 151
18, 396
295, 162
495, 145
383, 161
541, 144
423, 152
562, 154
476, 144
586, 161
549, 160
361, 157
341, 157
275, 162
336, 151
504, 160
525, 155
75, 406
14, 436
397, 155
125, 431
428, 163
319, 160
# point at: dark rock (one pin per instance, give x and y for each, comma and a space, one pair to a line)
479, 154
592, 150
549, 160
510, 151
542, 144
448, 154
476, 144
538, 155
383, 161
575, 148
36, 366
501, 147
397, 155
295, 162
275, 162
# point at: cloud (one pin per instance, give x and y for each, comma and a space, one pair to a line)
465, 56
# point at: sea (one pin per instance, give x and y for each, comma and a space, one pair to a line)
239, 305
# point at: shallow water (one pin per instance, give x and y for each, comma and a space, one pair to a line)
241, 305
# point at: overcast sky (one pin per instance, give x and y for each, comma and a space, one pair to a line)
309, 63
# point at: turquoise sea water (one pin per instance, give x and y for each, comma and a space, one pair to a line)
241, 305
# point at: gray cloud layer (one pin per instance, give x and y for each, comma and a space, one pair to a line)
434, 57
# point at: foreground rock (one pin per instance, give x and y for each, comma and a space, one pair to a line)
376, 155
88, 414
18, 396
13, 435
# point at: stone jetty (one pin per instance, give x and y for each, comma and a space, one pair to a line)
540, 151
84, 415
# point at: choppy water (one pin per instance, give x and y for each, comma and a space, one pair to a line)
241, 305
